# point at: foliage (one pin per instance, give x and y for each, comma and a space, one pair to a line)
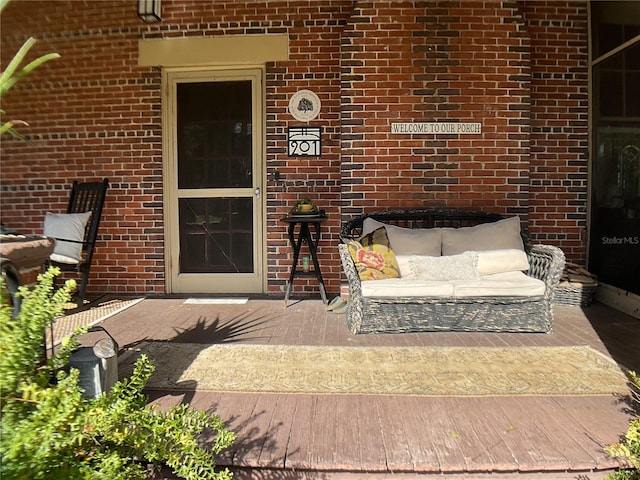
13, 73
629, 448
48, 430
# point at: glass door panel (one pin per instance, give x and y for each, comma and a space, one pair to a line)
215, 134
216, 235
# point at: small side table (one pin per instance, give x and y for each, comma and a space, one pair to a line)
304, 236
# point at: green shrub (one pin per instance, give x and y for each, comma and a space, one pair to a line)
629, 447
48, 430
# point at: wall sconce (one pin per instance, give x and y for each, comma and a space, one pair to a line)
149, 10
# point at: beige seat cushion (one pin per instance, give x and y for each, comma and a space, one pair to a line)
508, 284
398, 287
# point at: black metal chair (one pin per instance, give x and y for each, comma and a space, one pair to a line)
84, 197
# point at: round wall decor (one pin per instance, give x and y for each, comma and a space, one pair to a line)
304, 105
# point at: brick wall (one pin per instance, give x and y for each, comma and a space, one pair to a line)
519, 68
93, 113
559, 124
315, 32
436, 62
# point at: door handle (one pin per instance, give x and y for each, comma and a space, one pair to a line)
257, 192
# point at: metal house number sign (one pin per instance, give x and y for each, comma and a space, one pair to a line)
304, 141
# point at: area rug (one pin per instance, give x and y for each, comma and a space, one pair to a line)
66, 325
422, 371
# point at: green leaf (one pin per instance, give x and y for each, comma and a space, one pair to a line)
11, 75
6, 84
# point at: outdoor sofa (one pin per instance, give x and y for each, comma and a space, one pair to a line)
454, 271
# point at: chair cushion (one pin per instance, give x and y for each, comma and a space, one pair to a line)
373, 257
66, 226
486, 236
403, 287
408, 241
508, 284
450, 267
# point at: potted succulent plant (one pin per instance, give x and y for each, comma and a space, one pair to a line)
304, 205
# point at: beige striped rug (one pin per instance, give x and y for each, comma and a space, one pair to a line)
64, 326
422, 371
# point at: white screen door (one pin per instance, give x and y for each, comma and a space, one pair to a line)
213, 181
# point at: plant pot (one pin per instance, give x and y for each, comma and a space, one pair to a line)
305, 208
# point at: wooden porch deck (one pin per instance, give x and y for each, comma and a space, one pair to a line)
284, 436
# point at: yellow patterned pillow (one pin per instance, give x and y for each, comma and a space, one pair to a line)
373, 256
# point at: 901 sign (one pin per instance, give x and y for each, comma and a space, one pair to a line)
304, 141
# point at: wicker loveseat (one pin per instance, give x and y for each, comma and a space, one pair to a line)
386, 311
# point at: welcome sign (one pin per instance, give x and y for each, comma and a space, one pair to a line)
437, 128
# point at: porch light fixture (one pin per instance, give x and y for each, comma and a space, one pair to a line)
149, 10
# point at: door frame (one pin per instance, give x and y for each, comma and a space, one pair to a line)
170, 77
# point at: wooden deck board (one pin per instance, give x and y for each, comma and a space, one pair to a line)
442, 435
273, 451
596, 425
350, 436
478, 439
324, 429
370, 441
256, 432
298, 454
564, 435
394, 436
244, 425
534, 447
409, 412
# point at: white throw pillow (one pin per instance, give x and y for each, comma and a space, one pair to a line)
452, 267
500, 261
486, 236
404, 265
408, 241
66, 226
